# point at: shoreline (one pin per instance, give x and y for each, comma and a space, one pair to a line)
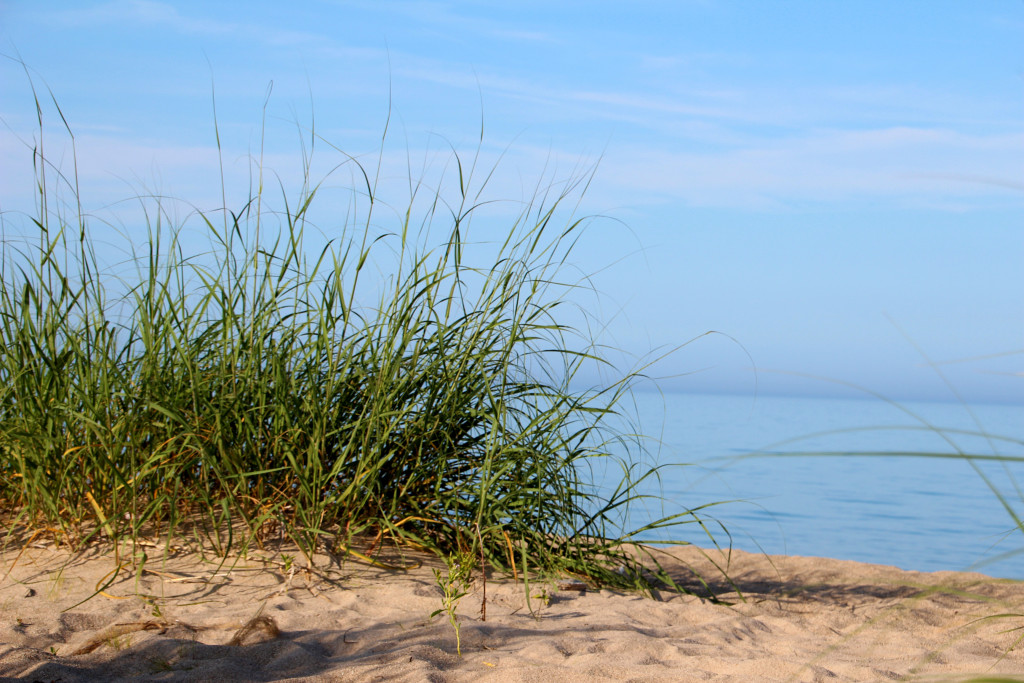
803, 619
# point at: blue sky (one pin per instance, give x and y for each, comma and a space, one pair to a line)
829, 184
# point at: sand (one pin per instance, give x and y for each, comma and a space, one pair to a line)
183, 618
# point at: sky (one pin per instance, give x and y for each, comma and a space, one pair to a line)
835, 189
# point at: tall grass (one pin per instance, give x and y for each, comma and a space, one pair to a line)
274, 385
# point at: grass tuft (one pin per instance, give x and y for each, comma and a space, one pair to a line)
270, 386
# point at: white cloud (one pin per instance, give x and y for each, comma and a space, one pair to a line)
937, 168
444, 16
648, 103
895, 165
139, 12
168, 17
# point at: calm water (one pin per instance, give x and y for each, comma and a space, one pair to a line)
924, 514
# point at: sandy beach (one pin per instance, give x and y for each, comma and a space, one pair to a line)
261, 618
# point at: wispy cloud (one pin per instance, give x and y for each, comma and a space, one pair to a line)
737, 143
144, 12
444, 16
151, 13
899, 166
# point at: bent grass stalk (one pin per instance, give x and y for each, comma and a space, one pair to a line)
270, 384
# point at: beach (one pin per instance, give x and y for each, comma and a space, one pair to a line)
183, 616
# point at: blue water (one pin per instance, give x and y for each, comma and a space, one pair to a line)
923, 514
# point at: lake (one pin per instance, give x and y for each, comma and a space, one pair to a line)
924, 514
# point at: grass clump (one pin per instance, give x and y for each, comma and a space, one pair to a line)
269, 384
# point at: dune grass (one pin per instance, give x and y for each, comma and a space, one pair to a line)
271, 385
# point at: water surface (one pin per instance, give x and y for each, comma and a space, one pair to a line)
923, 514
